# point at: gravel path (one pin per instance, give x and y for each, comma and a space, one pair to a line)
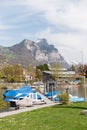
3, 114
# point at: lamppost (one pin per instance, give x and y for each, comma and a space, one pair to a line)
84, 88
85, 76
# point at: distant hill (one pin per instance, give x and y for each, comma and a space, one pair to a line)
31, 52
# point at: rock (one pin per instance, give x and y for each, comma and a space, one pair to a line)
84, 112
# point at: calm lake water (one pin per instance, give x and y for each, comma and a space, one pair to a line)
80, 91
75, 90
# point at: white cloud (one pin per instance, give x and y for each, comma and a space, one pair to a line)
70, 45
5, 27
66, 23
60, 12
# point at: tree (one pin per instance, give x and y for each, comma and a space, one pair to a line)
31, 71
43, 67
73, 68
0, 74
80, 69
64, 98
39, 71
7, 72
2, 103
56, 71
38, 74
13, 73
17, 73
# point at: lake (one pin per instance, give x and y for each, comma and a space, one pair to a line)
80, 91
75, 90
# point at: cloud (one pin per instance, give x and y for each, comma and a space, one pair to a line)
70, 45
6, 27
69, 13
60, 12
62, 22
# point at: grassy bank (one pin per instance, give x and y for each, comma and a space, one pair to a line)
57, 117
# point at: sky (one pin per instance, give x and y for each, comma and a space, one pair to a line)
62, 22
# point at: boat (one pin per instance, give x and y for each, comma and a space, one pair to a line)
54, 96
17, 93
23, 96
30, 100
75, 98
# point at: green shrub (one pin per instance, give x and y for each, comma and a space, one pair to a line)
64, 98
2, 103
4, 87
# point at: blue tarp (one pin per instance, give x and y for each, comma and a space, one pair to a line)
13, 94
49, 94
38, 96
76, 99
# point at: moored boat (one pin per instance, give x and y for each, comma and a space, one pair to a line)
23, 96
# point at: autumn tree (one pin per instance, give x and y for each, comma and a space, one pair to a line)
7, 73
0, 74
31, 71
17, 73
39, 71
56, 71
13, 73
39, 74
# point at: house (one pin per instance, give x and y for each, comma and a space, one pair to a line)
61, 74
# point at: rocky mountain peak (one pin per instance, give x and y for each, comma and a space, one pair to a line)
28, 44
31, 52
44, 45
41, 41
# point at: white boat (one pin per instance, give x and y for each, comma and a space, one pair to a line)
75, 98
30, 100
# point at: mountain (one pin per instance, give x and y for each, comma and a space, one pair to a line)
31, 52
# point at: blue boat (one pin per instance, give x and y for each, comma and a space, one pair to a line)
75, 98
54, 97
50, 93
15, 94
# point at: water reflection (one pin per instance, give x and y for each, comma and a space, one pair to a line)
74, 90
